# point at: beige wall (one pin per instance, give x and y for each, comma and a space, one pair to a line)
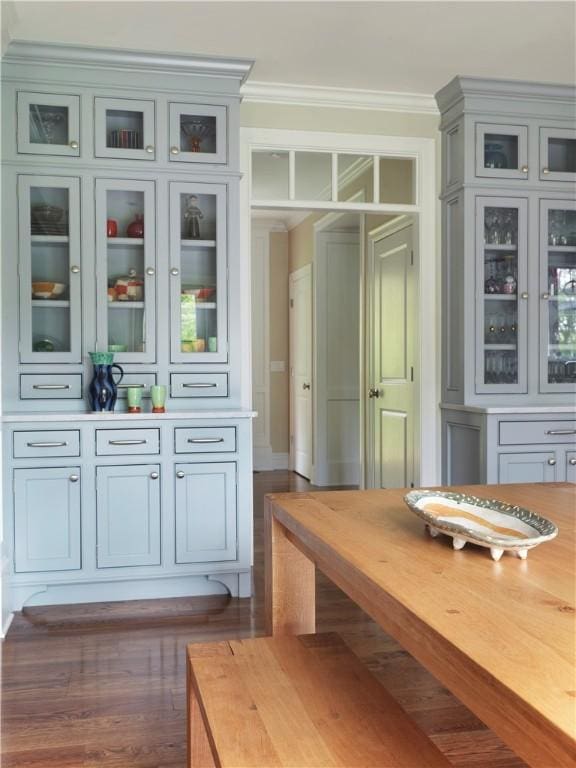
279, 382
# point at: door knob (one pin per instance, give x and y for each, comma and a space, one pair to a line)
551, 462
524, 295
174, 271
73, 478
305, 386
572, 462
174, 151
180, 475
154, 475
524, 169
545, 296
74, 270
150, 271
74, 145
373, 393
150, 149
546, 171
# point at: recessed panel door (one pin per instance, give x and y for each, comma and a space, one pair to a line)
527, 468
206, 512
47, 519
198, 133
128, 515
301, 371
124, 128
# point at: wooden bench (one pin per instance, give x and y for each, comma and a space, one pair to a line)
304, 702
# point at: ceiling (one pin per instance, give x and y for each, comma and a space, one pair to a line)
406, 47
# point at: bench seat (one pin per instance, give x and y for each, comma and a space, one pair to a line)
303, 702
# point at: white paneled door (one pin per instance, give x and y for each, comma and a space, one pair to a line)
301, 371
391, 328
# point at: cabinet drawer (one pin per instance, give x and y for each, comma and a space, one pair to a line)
51, 386
537, 432
142, 380
199, 385
205, 439
112, 442
48, 443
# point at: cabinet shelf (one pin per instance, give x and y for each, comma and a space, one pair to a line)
563, 347
561, 248
55, 303
125, 242
49, 239
500, 247
206, 305
126, 304
500, 347
198, 243
500, 296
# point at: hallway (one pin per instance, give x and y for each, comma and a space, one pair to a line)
104, 684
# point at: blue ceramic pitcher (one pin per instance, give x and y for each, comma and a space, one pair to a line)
103, 389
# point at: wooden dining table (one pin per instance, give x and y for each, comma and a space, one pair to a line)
499, 635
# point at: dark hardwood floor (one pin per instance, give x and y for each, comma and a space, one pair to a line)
103, 684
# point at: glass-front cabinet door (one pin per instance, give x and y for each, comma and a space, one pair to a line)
501, 291
48, 124
502, 151
558, 154
49, 269
124, 128
198, 273
198, 133
126, 269
558, 296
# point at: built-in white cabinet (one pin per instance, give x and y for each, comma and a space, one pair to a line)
508, 272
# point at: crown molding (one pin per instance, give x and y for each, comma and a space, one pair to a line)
255, 92
465, 86
27, 51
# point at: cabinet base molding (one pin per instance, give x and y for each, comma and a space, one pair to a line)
235, 584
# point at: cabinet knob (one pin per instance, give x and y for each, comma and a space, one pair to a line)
524, 295
175, 271
545, 295
154, 475
551, 462
150, 149
74, 145
572, 462
174, 151
524, 169
180, 475
150, 271
73, 478
545, 171
75, 269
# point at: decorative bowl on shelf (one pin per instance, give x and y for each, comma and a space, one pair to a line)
47, 289
47, 214
46, 344
489, 523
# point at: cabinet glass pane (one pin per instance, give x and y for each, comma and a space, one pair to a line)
313, 172
125, 271
270, 175
561, 155
124, 129
198, 274
500, 150
198, 133
48, 124
355, 174
500, 303
50, 269
561, 271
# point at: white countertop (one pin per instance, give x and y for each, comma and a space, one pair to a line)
223, 413
510, 409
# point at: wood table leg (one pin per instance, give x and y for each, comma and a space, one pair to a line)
290, 591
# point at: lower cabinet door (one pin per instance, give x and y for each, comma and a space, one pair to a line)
128, 515
205, 512
47, 519
527, 467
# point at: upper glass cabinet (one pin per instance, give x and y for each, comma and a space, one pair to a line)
48, 124
558, 154
198, 273
502, 297
49, 269
126, 269
502, 151
558, 296
198, 133
124, 128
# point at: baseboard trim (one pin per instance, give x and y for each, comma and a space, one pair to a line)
265, 459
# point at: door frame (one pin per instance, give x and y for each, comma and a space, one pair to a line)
420, 416
423, 151
305, 271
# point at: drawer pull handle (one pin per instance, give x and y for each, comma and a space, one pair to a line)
51, 386
561, 431
200, 385
205, 439
127, 442
125, 386
46, 444
73, 478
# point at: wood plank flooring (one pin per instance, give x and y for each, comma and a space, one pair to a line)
104, 684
